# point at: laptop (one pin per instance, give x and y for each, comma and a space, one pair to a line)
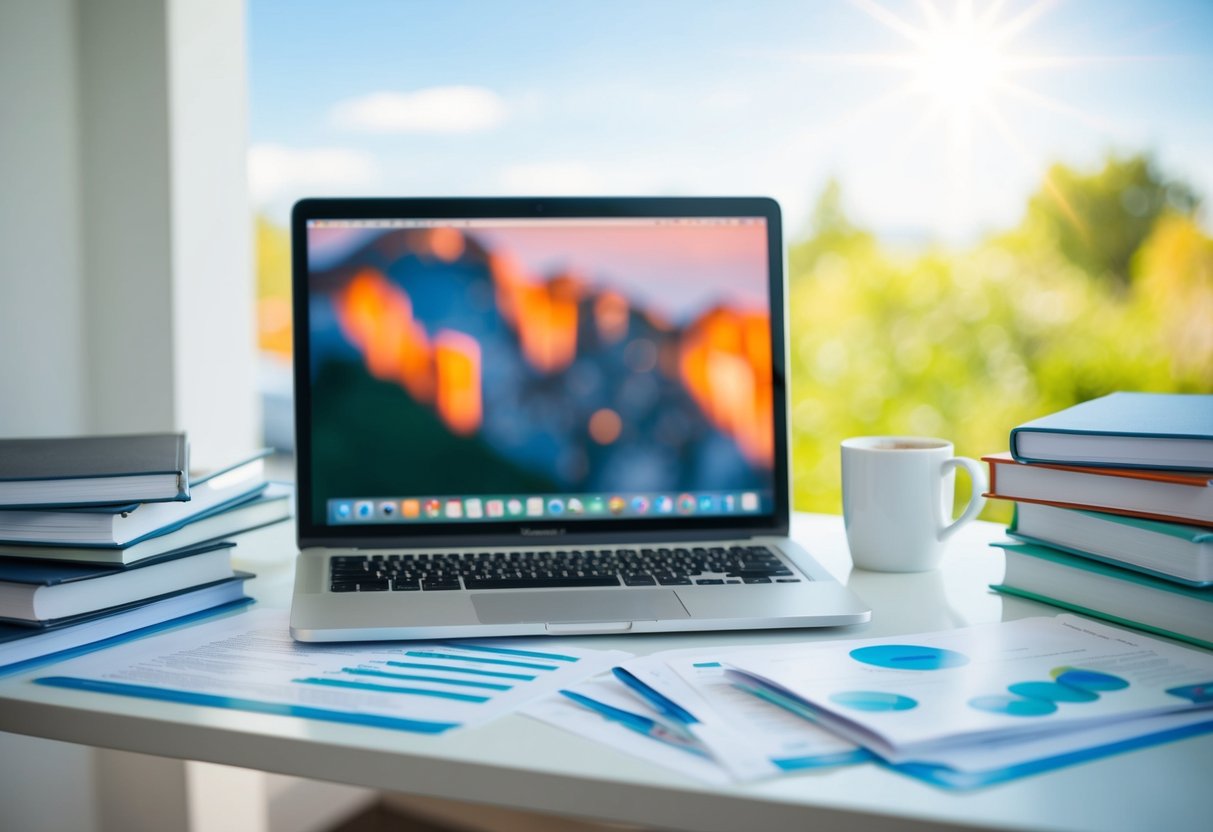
544, 416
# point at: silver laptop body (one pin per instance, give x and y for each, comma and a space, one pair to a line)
529, 416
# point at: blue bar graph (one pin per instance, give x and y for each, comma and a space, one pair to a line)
423, 654
413, 677
256, 706
439, 694
526, 654
522, 677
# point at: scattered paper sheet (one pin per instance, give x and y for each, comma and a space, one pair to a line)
960, 709
921, 698
1022, 728
743, 737
699, 682
564, 713
250, 662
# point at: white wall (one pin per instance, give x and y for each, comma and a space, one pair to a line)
125, 202
212, 228
125, 262
42, 389
126, 298
41, 343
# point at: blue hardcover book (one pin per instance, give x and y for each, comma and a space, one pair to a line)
21, 645
1123, 430
33, 592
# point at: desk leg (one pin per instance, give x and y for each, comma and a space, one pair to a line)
137, 792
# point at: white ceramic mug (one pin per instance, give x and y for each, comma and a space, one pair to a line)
897, 500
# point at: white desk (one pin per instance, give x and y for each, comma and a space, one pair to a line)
517, 762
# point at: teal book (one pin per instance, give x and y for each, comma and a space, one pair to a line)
1171, 551
1123, 430
1122, 596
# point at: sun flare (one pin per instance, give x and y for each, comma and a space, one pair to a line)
962, 61
959, 63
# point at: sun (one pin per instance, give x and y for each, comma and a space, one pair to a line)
962, 60
959, 63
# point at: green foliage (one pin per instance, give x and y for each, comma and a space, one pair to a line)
829, 230
1098, 220
965, 345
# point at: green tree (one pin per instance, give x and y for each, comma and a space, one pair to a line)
830, 231
967, 343
1099, 220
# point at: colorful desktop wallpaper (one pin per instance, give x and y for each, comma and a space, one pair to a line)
526, 358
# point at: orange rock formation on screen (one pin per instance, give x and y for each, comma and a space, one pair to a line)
726, 365
723, 359
543, 314
377, 317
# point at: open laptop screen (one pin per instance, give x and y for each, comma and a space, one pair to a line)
465, 372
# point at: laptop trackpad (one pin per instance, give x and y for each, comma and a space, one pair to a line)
586, 605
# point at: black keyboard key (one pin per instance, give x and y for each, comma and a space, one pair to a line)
344, 586
431, 585
708, 581
485, 582
639, 580
405, 586
373, 586
787, 580
757, 580
753, 573
673, 580
351, 576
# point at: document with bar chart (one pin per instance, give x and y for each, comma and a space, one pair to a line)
249, 662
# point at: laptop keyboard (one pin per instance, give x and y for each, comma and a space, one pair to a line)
548, 569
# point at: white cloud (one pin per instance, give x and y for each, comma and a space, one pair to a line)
453, 109
276, 171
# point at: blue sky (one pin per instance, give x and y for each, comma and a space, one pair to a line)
937, 118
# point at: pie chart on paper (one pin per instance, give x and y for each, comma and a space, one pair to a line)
909, 657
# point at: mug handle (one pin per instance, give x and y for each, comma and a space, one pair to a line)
976, 502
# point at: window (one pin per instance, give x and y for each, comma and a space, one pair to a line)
980, 228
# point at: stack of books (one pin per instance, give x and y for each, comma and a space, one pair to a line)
1114, 511
102, 537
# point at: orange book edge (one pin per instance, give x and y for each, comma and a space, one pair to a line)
1199, 479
